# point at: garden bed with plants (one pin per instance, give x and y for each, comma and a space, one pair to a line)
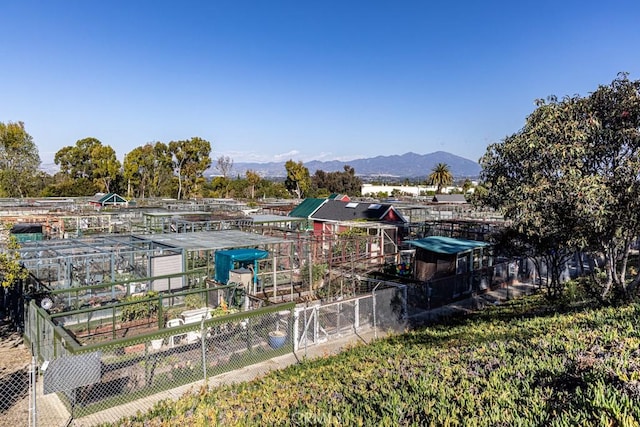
135, 315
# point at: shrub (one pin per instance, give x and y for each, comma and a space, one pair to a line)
146, 308
195, 300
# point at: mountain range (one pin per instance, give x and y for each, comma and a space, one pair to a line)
408, 165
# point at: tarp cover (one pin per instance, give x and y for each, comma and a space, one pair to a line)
225, 261
26, 228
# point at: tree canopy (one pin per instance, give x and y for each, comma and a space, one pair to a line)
345, 182
298, 180
569, 180
148, 171
90, 162
253, 179
224, 164
190, 160
19, 160
11, 269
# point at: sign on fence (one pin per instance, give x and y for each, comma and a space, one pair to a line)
69, 373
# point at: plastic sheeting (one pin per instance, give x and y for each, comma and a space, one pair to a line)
225, 261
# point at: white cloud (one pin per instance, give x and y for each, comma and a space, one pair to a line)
293, 155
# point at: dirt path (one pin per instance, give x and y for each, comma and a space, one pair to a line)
14, 378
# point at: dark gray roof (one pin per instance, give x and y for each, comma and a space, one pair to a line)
337, 210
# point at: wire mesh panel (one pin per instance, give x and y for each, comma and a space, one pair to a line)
337, 319
14, 393
391, 309
125, 374
41, 336
127, 370
365, 312
384, 308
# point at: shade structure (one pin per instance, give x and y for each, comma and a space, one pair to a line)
225, 260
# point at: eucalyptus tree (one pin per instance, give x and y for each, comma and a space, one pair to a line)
190, 161
298, 180
440, 176
569, 179
75, 160
162, 178
138, 169
88, 161
148, 170
19, 160
106, 166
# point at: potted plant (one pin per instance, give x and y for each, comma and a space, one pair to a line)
277, 338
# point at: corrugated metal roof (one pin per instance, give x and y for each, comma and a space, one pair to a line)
446, 245
269, 218
338, 210
306, 208
449, 198
215, 240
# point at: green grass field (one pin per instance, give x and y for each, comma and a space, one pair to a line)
519, 364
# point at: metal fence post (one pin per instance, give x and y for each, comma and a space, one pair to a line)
375, 323
203, 342
296, 329
356, 315
33, 413
306, 334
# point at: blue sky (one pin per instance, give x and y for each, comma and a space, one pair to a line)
315, 80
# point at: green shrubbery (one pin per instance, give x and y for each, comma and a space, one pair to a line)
145, 309
517, 364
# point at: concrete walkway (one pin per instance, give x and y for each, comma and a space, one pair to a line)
328, 348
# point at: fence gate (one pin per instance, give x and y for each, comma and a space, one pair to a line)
307, 328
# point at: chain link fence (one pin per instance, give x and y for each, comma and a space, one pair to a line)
384, 309
436, 293
93, 384
16, 384
90, 384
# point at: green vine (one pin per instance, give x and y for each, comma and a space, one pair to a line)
317, 272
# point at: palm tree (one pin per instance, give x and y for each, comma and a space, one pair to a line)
440, 176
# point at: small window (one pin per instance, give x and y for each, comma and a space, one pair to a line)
375, 206
352, 204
